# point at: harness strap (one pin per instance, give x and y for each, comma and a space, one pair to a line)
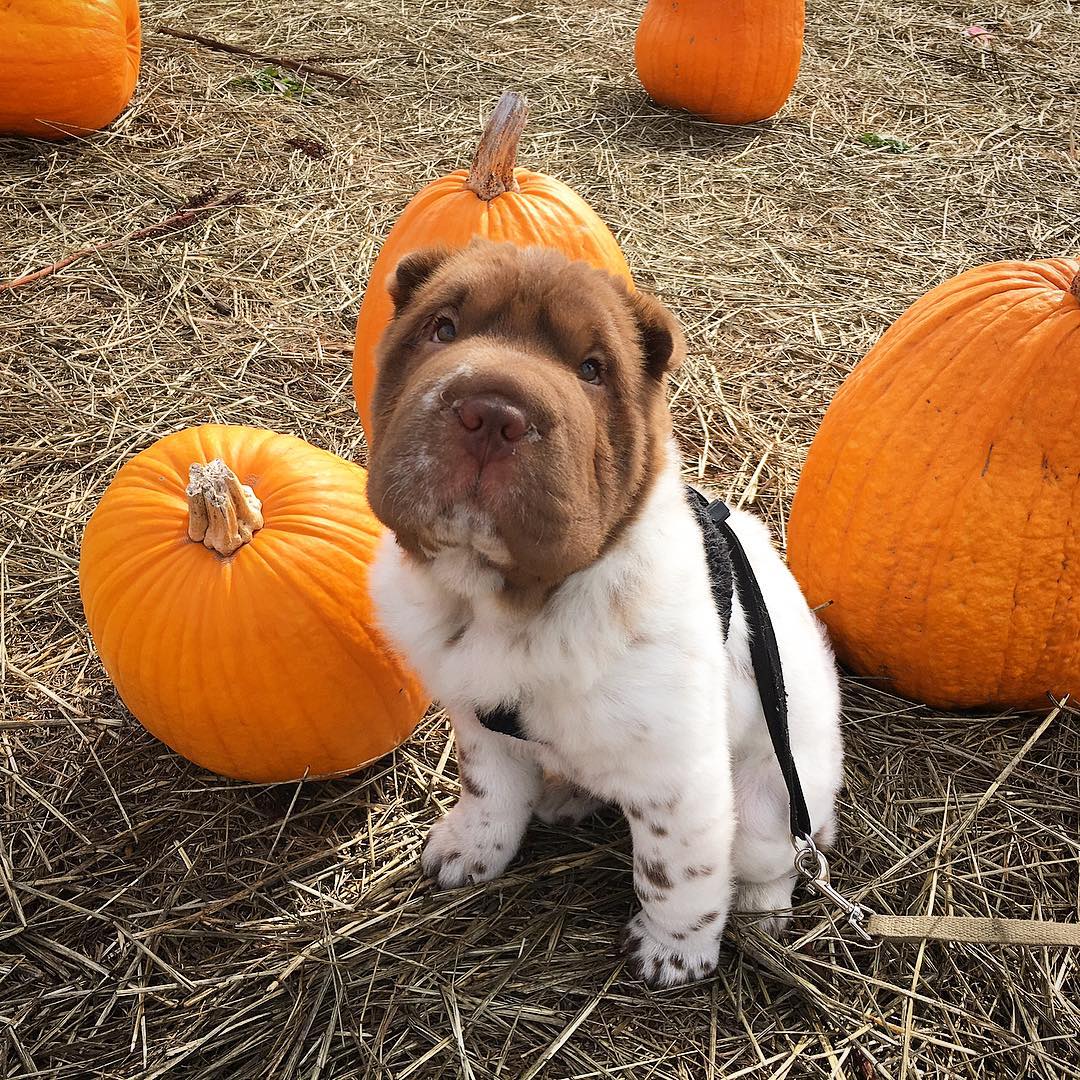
717, 557
765, 657
504, 719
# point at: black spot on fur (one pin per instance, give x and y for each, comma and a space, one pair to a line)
706, 919
645, 895
655, 872
473, 788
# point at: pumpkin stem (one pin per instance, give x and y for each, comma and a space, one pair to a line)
223, 513
492, 171
1074, 288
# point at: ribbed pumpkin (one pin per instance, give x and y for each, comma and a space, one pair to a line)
66, 66
492, 199
938, 512
731, 61
223, 575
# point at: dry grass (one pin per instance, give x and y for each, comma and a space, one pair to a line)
157, 921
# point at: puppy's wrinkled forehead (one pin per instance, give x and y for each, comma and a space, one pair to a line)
533, 297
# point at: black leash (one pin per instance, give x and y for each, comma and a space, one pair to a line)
729, 571
764, 655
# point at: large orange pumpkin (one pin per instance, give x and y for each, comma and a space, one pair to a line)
938, 513
731, 61
66, 66
492, 199
224, 577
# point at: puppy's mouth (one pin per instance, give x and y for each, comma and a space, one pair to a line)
489, 480
463, 480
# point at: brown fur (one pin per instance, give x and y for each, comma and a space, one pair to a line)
526, 320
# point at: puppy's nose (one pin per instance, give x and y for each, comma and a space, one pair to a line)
493, 425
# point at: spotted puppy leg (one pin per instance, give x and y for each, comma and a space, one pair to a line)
682, 876
500, 785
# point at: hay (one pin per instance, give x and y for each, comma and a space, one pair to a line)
159, 922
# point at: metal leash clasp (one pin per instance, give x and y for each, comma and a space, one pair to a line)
813, 867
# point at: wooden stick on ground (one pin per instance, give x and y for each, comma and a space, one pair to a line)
238, 50
173, 223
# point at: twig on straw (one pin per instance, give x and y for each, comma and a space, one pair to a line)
181, 219
238, 50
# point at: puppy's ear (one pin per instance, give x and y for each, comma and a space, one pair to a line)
662, 340
411, 272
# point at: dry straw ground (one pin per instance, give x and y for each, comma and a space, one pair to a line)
157, 921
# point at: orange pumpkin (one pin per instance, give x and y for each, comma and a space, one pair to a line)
223, 575
731, 61
492, 199
938, 512
66, 66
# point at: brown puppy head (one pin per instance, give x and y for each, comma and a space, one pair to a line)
519, 409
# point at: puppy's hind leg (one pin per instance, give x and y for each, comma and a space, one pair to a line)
764, 854
563, 803
500, 785
772, 899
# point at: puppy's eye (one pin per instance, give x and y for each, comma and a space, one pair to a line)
590, 370
443, 330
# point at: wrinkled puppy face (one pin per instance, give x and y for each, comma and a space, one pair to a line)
519, 409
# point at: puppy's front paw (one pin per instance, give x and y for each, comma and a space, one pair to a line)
465, 847
661, 960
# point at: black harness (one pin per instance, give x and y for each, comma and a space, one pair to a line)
730, 574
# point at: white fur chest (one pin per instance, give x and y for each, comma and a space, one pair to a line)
625, 649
